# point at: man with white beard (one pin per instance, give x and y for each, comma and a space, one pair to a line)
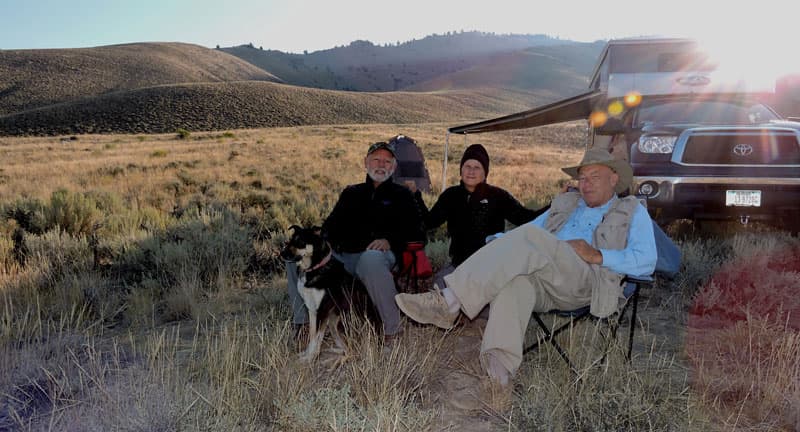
368, 229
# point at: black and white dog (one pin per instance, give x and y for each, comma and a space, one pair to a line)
327, 289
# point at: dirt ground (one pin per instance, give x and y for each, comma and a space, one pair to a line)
470, 404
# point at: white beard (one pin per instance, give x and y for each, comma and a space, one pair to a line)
380, 175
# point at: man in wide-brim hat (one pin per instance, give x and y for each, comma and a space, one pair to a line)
573, 255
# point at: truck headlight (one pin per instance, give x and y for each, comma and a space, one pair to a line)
657, 144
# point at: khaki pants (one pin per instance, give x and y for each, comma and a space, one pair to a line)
526, 270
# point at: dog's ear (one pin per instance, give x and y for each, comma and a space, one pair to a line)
295, 228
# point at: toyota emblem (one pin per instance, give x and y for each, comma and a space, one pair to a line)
743, 149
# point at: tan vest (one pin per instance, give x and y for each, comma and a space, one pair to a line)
611, 233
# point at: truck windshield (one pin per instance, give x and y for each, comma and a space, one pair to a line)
704, 112
659, 57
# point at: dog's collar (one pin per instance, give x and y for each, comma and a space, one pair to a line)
321, 263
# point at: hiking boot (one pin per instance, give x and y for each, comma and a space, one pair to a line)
485, 395
390, 342
427, 308
393, 339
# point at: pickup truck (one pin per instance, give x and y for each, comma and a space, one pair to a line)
712, 157
703, 145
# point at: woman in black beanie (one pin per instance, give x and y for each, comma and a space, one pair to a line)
473, 209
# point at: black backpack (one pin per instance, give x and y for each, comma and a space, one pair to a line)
410, 163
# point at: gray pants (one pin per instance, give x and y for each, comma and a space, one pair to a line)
299, 311
374, 269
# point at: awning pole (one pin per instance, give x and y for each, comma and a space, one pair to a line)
444, 162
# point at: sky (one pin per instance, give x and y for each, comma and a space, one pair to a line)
298, 25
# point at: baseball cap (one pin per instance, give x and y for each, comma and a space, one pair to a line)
382, 145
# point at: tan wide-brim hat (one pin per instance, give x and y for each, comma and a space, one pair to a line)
597, 156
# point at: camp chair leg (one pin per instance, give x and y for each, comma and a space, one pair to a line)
613, 325
635, 300
550, 336
609, 341
639, 282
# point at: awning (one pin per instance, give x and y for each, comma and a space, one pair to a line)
572, 108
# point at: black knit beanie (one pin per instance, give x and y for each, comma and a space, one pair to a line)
477, 152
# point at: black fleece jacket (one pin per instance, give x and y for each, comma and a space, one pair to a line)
471, 217
365, 213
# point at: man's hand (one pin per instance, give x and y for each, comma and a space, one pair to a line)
586, 251
411, 185
379, 244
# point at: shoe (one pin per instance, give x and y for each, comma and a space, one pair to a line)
427, 308
389, 341
486, 395
497, 371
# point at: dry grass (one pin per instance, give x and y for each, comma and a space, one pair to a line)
744, 336
143, 292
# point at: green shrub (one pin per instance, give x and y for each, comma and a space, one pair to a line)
158, 153
9, 254
28, 213
57, 254
183, 133
208, 245
112, 171
251, 172
438, 253
186, 178
332, 153
74, 213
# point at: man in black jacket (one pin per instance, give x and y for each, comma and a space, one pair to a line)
367, 229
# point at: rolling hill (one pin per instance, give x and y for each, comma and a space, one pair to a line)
160, 87
555, 71
253, 104
472, 59
36, 78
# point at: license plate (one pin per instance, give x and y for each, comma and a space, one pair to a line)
743, 198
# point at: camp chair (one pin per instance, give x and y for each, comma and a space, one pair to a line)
667, 266
412, 266
631, 292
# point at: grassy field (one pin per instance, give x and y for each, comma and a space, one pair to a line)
141, 291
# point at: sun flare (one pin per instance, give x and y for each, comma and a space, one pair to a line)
757, 61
